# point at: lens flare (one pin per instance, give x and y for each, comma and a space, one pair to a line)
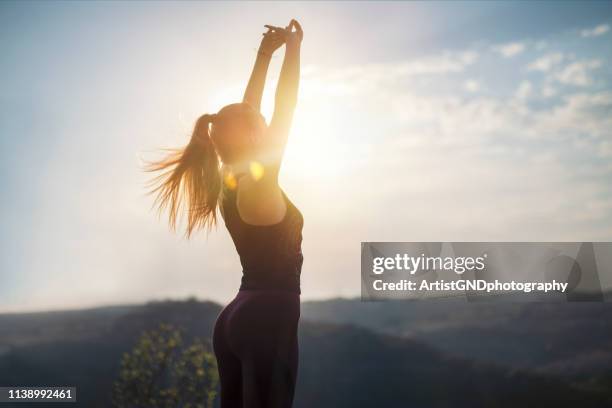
230, 181
257, 170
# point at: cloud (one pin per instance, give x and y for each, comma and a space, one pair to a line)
546, 62
471, 85
579, 118
524, 90
445, 63
595, 31
577, 73
510, 50
548, 91
492, 140
605, 149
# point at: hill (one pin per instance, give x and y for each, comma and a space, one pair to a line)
572, 339
340, 365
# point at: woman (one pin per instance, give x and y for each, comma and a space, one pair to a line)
255, 336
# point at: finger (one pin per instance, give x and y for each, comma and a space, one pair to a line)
274, 28
282, 36
277, 39
280, 33
275, 36
297, 26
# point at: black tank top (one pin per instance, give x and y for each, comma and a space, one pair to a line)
271, 255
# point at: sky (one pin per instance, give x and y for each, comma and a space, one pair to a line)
436, 121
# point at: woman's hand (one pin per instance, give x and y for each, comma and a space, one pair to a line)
294, 38
272, 40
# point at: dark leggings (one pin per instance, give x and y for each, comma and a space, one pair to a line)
255, 342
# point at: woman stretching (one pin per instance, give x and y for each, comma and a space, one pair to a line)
255, 336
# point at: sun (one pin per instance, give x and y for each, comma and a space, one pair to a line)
314, 150
321, 143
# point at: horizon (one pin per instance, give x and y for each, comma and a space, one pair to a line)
80, 308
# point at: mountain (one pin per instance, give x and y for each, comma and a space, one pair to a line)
341, 365
572, 339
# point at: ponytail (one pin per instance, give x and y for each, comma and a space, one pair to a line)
190, 180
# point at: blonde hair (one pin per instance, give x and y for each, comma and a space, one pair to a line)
190, 179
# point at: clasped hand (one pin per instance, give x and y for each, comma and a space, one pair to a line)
275, 37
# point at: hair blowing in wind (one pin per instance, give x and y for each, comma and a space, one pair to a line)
190, 180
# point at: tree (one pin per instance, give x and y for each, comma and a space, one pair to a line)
160, 373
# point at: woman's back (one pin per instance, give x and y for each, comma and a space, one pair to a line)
271, 255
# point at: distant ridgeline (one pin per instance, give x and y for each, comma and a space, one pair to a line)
353, 354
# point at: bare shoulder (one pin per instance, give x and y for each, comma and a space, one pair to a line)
260, 202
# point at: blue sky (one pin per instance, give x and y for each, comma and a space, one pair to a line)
417, 121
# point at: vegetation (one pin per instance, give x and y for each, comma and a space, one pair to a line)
160, 373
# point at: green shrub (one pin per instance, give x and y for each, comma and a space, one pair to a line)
160, 373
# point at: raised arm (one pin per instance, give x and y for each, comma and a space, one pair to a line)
288, 84
286, 96
270, 42
261, 201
